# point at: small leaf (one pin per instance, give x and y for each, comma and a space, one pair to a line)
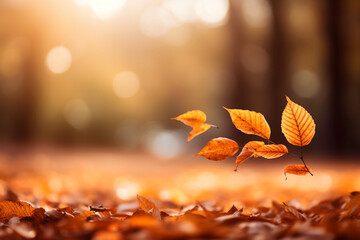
250, 122
297, 124
198, 130
271, 151
248, 151
296, 169
195, 119
219, 149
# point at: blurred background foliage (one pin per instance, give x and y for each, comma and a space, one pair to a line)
111, 73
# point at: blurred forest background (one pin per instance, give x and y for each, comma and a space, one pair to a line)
111, 73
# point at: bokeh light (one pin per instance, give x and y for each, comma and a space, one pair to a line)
165, 144
155, 21
103, 9
305, 83
59, 59
212, 12
257, 13
77, 114
126, 189
184, 10
255, 59
126, 84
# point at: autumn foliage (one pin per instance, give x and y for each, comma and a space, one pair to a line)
297, 125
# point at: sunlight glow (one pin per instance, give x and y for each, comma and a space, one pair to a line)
126, 84
59, 59
103, 9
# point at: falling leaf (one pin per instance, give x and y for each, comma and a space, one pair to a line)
219, 149
248, 151
271, 151
195, 119
198, 130
297, 124
250, 122
18, 209
296, 169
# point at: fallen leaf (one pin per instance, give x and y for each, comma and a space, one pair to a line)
145, 204
219, 149
297, 124
248, 151
352, 207
296, 169
18, 209
271, 151
250, 122
84, 215
104, 212
296, 213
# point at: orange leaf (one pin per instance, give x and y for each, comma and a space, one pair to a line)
297, 124
18, 209
219, 149
195, 119
250, 122
271, 151
145, 204
248, 151
296, 169
198, 130
84, 215
148, 206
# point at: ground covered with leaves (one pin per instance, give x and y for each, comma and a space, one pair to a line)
336, 218
75, 197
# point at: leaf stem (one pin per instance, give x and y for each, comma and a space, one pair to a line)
302, 159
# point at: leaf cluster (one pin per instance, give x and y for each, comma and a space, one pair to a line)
297, 125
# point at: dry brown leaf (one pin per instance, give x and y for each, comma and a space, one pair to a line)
219, 149
250, 122
271, 151
297, 124
248, 151
18, 209
195, 119
296, 169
